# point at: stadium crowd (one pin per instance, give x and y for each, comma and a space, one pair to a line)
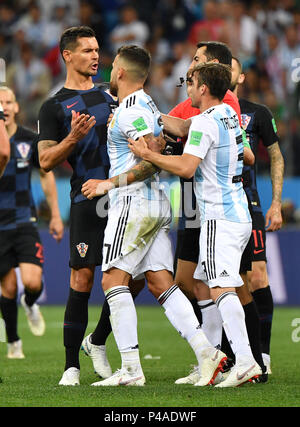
264, 35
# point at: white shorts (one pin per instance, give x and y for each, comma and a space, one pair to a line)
222, 244
136, 236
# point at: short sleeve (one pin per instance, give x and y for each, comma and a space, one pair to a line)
266, 126
48, 126
199, 139
135, 123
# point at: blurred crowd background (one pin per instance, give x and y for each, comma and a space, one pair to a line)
264, 35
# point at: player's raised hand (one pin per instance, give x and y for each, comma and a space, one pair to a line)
81, 124
274, 217
96, 187
138, 147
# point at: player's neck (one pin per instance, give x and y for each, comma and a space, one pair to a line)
126, 90
76, 81
209, 103
11, 129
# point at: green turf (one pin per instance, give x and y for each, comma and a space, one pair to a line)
34, 380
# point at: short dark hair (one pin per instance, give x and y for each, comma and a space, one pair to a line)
70, 36
216, 76
217, 50
138, 57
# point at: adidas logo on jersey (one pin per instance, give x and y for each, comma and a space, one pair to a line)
224, 274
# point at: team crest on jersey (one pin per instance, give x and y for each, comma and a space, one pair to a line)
245, 121
23, 149
82, 249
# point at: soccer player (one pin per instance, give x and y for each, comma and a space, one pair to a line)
259, 124
20, 244
72, 127
136, 237
213, 154
4, 146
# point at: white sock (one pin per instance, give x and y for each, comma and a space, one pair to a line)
123, 321
234, 325
180, 313
212, 322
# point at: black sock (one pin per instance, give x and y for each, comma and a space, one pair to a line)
226, 347
264, 303
253, 330
103, 328
32, 297
75, 324
197, 310
9, 310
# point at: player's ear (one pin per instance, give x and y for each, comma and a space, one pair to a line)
241, 78
67, 54
16, 108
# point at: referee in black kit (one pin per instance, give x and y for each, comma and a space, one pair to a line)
72, 126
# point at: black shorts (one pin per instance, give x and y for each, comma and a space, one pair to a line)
187, 247
258, 236
22, 244
256, 247
86, 234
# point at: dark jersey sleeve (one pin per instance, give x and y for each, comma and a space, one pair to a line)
266, 126
35, 153
48, 123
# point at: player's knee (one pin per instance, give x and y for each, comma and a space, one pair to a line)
9, 290
82, 281
32, 285
259, 277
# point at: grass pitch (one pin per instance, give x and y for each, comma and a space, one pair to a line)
33, 382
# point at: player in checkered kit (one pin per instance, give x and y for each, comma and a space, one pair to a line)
20, 244
72, 127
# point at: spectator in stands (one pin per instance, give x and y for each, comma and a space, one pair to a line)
130, 29
30, 79
211, 27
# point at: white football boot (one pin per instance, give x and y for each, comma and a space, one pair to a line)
70, 377
14, 350
98, 355
191, 378
123, 377
242, 372
34, 317
211, 365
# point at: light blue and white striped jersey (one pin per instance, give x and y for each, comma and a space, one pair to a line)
136, 116
215, 136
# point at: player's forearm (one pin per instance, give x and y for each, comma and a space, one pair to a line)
4, 148
172, 164
277, 171
51, 154
140, 172
176, 126
49, 188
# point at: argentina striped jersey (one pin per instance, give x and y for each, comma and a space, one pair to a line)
136, 116
215, 136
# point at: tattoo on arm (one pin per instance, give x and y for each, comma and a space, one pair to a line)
139, 172
45, 144
277, 171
